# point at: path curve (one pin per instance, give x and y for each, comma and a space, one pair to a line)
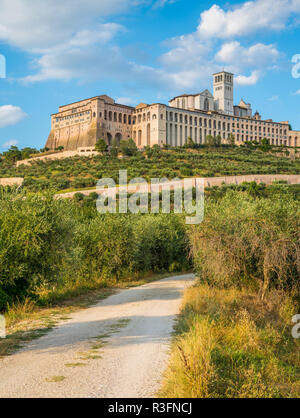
117, 348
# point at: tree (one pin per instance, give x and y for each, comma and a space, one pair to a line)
114, 151
155, 151
231, 139
210, 141
265, 145
27, 152
13, 154
190, 143
218, 141
60, 148
101, 146
128, 148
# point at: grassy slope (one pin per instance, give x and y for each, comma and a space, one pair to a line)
83, 172
230, 344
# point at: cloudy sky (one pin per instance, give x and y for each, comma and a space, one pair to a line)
142, 50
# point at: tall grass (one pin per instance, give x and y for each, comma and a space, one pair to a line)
233, 345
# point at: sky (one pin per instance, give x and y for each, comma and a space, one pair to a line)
142, 51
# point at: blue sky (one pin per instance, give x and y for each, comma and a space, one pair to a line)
142, 51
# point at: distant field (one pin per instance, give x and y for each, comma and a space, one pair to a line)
83, 172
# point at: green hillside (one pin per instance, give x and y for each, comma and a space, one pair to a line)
83, 172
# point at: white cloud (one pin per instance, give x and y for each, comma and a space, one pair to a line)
247, 18
72, 41
161, 3
45, 24
11, 115
243, 80
126, 101
273, 98
256, 55
10, 143
297, 92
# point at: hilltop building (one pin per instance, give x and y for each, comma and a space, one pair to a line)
81, 124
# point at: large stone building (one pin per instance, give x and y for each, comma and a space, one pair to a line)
82, 123
194, 116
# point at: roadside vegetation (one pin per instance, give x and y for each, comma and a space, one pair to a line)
49, 247
204, 161
234, 333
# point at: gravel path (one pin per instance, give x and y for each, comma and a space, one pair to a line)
117, 348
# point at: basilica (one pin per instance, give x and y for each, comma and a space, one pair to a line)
79, 125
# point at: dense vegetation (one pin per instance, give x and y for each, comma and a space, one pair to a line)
234, 333
84, 172
49, 245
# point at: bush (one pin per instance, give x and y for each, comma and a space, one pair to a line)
248, 241
48, 244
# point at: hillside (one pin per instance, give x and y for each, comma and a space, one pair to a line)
83, 172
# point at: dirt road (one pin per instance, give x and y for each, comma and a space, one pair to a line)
117, 348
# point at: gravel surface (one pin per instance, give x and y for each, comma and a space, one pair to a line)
117, 348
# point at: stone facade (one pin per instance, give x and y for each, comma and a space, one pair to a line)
81, 124
294, 138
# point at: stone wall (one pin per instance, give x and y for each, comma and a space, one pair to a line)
60, 156
12, 181
214, 181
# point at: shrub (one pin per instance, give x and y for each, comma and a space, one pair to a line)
249, 241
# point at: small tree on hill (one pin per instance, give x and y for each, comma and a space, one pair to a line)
101, 146
210, 141
231, 139
190, 143
13, 154
114, 151
265, 145
128, 148
218, 141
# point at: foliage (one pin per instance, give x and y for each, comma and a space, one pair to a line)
128, 148
81, 172
249, 241
229, 344
48, 243
101, 146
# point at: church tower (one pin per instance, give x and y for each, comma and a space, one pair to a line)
223, 92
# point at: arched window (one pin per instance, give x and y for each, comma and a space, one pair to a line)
206, 104
110, 116
154, 117
115, 117
125, 118
120, 117
148, 135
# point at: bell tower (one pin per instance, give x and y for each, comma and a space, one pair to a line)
223, 92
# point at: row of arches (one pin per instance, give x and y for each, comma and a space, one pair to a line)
138, 139
115, 117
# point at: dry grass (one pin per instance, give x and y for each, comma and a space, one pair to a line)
231, 344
